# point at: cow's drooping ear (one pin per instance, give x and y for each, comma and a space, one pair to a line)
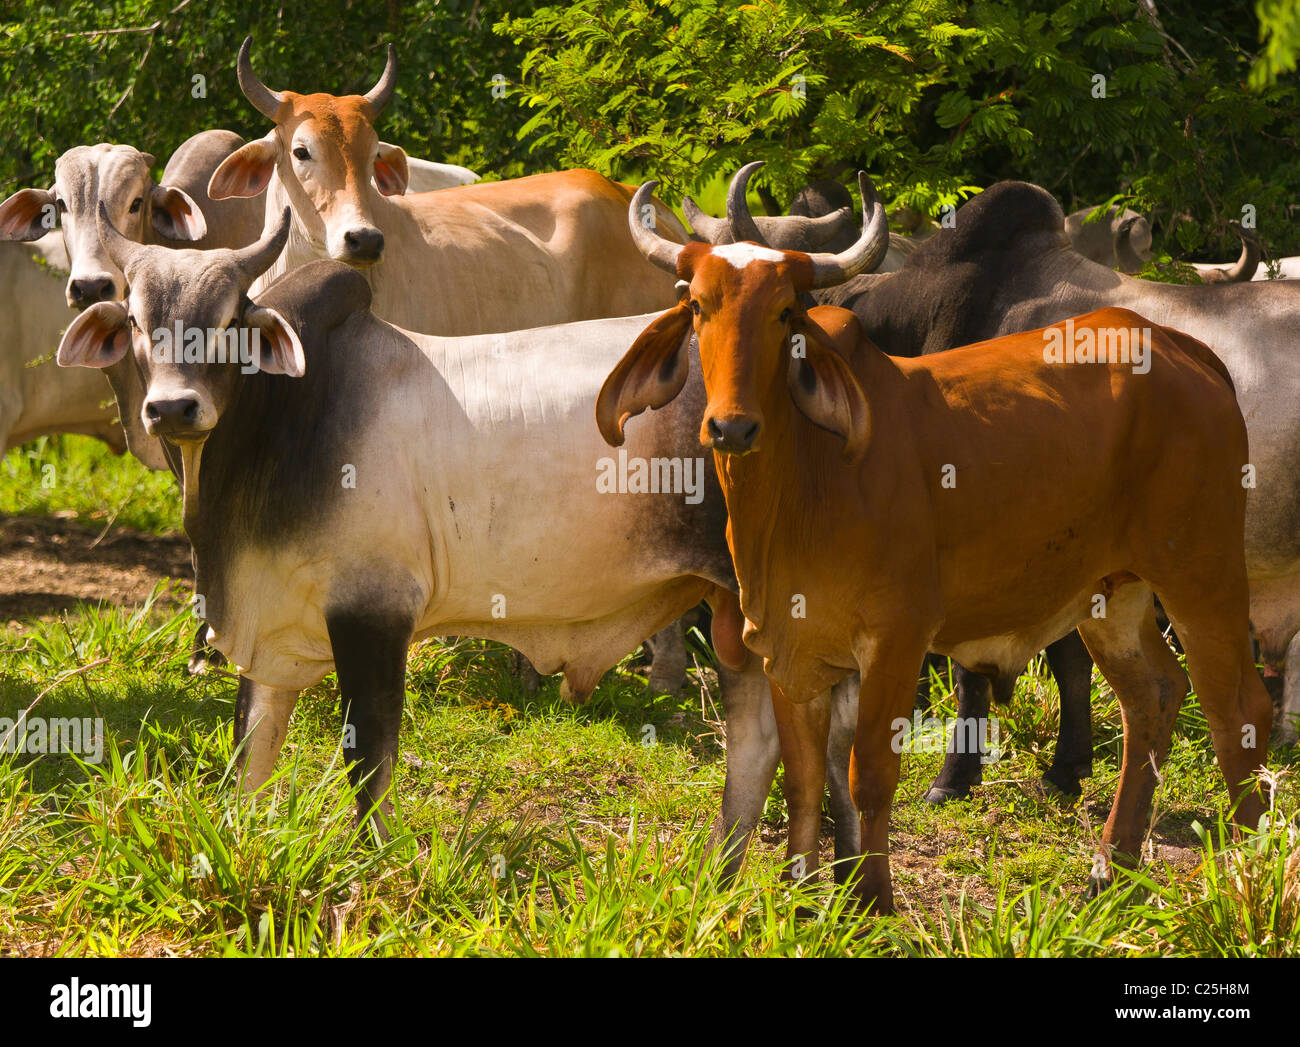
175, 215
247, 171
99, 337
281, 350
391, 170
827, 392
28, 215
650, 374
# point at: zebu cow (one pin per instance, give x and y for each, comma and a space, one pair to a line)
1007, 267
1118, 239
1100, 478
41, 399
1067, 658
1246, 267
498, 256
473, 459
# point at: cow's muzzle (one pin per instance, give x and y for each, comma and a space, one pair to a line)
84, 291
735, 435
363, 245
181, 418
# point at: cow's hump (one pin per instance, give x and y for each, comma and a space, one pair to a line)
1006, 217
316, 298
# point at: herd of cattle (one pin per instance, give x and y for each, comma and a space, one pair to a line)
440, 366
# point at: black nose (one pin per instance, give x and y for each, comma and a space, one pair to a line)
734, 435
173, 414
90, 290
365, 245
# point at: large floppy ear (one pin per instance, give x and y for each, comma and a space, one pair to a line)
650, 374
826, 391
28, 215
175, 215
99, 337
247, 171
281, 349
391, 171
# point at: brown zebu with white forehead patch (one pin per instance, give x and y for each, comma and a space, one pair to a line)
831, 457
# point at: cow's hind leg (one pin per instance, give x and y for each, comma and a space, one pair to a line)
370, 656
839, 751
1214, 633
1072, 668
261, 724
668, 659
753, 751
1289, 729
963, 770
1150, 684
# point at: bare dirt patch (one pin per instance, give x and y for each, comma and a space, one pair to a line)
51, 564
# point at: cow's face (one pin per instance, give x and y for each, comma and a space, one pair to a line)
188, 329
118, 177
743, 303
756, 341
326, 153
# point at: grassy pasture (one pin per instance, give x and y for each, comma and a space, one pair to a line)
526, 826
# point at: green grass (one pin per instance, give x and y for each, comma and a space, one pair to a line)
528, 827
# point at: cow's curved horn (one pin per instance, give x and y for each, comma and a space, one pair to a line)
743, 226
1126, 255
867, 253
265, 101
796, 232
122, 250
1244, 268
255, 259
659, 250
380, 95
712, 229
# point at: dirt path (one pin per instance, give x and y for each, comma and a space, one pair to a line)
50, 564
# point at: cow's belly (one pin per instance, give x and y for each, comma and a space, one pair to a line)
1008, 653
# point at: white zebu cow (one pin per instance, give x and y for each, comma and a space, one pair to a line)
474, 504
39, 399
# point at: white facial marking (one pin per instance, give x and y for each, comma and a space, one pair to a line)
740, 255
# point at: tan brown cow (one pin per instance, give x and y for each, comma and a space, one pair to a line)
979, 503
499, 256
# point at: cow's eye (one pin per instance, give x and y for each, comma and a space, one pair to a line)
136, 204
785, 315
301, 153
695, 307
131, 320
60, 207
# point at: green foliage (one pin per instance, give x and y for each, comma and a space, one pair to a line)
70, 79
933, 98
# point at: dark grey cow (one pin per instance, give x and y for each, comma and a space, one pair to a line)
1007, 266
365, 487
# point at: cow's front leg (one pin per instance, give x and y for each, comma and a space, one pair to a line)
1071, 665
963, 770
261, 724
888, 665
370, 657
804, 729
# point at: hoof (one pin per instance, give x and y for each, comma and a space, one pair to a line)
1063, 784
940, 794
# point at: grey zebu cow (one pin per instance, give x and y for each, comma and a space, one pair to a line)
455, 443
43, 399
1117, 240
1007, 267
